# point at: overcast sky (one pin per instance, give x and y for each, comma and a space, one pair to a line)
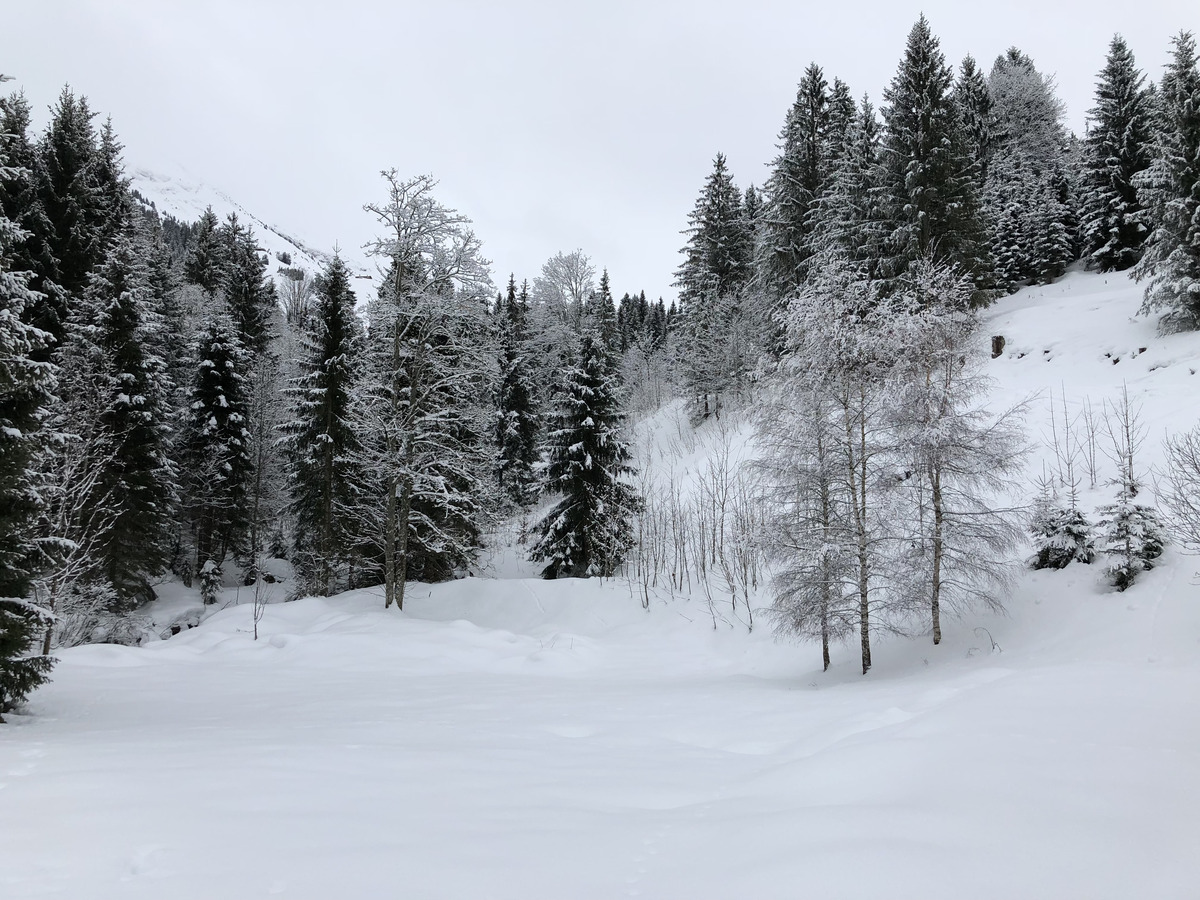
553, 125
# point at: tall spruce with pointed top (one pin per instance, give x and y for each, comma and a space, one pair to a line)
1118, 148
25, 391
975, 105
319, 442
204, 264
589, 530
136, 491
1171, 189
929, 191
516, 418
215, 442
797, 180
248, 291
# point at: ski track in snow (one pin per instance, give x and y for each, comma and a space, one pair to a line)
515, 738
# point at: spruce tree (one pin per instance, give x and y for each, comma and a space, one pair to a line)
975, 105
249, 294
205, 262
140, 482
25, 392
589, 530
929, 192
319, 442
795, 185
215, 442
1171, 188
601, 314
1118, 148
516, 417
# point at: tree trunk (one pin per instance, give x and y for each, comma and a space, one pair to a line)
389, 546
935, 478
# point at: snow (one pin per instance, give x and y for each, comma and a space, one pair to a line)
179, 194
507, 737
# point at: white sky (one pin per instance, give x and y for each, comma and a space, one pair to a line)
553, 125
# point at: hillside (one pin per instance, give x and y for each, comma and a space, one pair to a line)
516, 738
180, 195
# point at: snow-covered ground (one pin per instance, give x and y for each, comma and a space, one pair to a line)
514, 738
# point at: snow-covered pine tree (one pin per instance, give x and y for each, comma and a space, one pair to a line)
25, 391
516, 416
1024, 199
797, 180
600, 315
848, 217
1118, 148
975, 105
20, 202
137, 489
1132, 537
205, 262
249, 293
1061, 532
214, 445
319, 442
589, 529
719, 328
929, 193
422, 408
1170, 188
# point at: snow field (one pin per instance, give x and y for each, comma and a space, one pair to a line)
514, 738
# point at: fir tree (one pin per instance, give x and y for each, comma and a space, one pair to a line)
516, 418
1171, 189
205, 262
928, 185
717, 255
975, 105
796, 183
601, 314
248, 292
215, 442
588, 531
135, 491
25, 392
319, 441
1118, 148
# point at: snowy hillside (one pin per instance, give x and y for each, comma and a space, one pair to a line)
516, 738
182, 196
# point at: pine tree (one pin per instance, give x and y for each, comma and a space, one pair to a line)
796, 183
928, 185
135, 490
319, 441
215, 442
70, 194
516, 418
1171, 189
1026, 196
249, 294
975, 105
717, 255
25, 392
589, 530
1118, 148
601, 314
206, 258
21, 203
717, 322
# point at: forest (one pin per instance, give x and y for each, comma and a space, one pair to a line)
177, 404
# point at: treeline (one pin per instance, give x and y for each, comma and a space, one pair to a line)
167, 409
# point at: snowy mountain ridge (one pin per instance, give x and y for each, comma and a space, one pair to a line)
185, 198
